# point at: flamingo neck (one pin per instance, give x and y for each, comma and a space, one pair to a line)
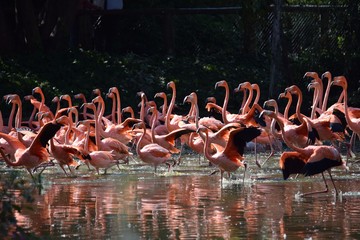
246, 107
170, 109
8, 162
298, 106
113, 109
257, 97
315, 103
165, 107
225, 104
140, 142
287, 142
326, 96
154, 118
243, 100
287, 108
142, 110
347, 116
118, 107
207, 147
11, 117
18, 117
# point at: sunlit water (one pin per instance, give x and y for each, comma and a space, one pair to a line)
189, 203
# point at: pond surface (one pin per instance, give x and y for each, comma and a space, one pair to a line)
189, 203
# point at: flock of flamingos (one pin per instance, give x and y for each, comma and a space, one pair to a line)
74, 136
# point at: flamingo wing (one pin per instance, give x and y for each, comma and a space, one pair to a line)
13, 141
239, 137
292, 163
172, 136
45, 134
315, 167
155, 150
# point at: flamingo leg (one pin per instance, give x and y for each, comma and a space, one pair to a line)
181, 150
44, 165
315, 192
62, 167
332, 180
271, 153
245, 166
221, 177
71, 170
255, 151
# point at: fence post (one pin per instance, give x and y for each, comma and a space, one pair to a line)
276, 51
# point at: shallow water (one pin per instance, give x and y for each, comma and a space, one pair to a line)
188, 203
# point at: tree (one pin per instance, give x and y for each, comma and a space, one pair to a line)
33, 26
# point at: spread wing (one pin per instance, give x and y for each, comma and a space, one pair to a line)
239, 137
45, 134
13, 141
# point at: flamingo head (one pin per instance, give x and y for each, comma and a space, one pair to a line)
65, 97
36, 90
160, 95
221, 83
327, 75
29, 97
243, 86
267, 113
96, 91
270, 103
311, 74
79, 96
293, 89
55, 99
340, 81
170, 85
192, 97
110, 95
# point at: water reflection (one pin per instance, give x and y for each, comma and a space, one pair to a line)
144, 206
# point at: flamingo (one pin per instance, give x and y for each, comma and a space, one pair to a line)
116, 92
118, 149
318, 92
321, 125
130, 110
12, 115
288, 104
31, 157
64, 153
33, 101
167, 141
121, 132
152, 153
247, 117
172, 120
82, 97
42, 107
309, 160
230, 158
352, 115
111, 96
240, 89
213, 109
97, 158
164, 106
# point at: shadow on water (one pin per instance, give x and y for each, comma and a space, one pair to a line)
188, 202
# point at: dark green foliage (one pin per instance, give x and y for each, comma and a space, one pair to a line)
82, 71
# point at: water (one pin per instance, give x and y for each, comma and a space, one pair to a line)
188, 203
